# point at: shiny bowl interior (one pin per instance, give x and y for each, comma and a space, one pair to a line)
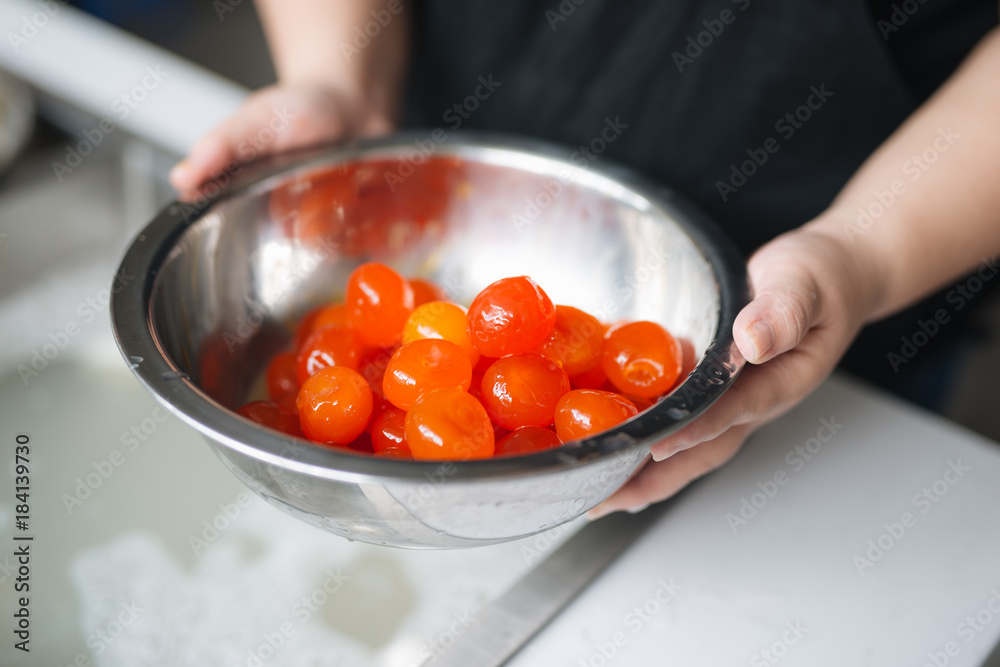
208, 289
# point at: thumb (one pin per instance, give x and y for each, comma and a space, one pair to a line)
210, 155
784, 308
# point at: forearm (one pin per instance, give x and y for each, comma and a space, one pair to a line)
925, 207
317, 41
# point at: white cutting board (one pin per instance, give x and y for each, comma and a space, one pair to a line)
791, 580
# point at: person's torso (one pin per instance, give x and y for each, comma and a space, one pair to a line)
758, 111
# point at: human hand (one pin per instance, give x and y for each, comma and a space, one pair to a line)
812, 295
275, 119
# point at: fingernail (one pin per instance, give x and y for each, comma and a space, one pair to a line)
179, 169
597, 512
760, 335
664, 451
636, 510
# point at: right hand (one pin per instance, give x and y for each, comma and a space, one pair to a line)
813, 293
277, 118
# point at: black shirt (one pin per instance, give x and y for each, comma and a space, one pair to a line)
758, 111
564, 66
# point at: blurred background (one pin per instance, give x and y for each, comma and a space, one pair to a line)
98, 101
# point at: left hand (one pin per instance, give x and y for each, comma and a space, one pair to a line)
813, 293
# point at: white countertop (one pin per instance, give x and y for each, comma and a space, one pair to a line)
797, 579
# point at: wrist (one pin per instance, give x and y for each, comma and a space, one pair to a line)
368, 113
853, 265
369, 84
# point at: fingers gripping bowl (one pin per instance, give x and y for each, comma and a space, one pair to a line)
215, 283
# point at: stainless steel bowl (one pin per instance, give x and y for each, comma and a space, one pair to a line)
205, 292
